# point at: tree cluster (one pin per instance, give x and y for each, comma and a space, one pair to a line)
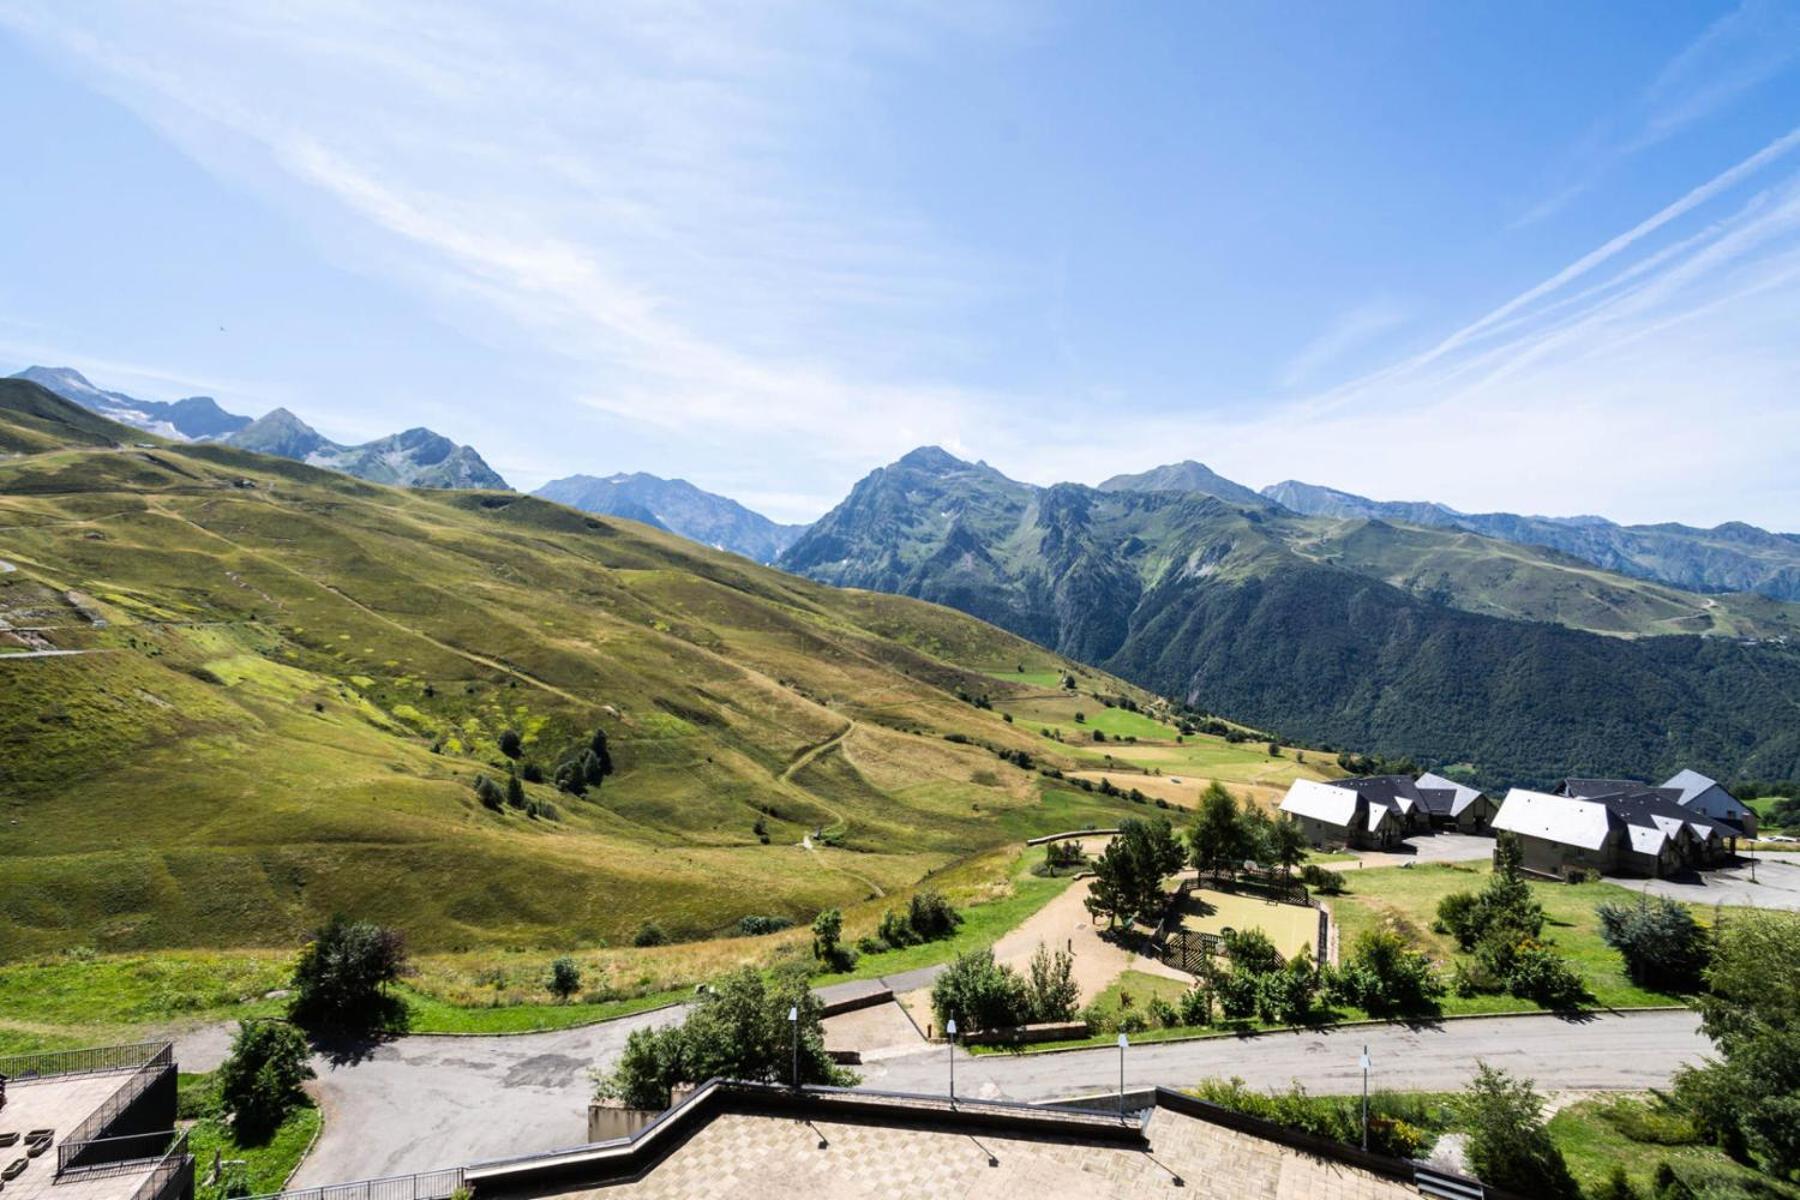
979, 993
1224, 835
738, 1028
585, 768
342, 975
927, 917
259, 1081
1128, 876
1503, 925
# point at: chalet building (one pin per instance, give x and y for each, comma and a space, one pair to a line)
1639, 832
1346, 817
1396, 793
1706, 797
1455, 806
1717, 838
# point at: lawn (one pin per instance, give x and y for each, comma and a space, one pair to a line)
266, 1164
1406, 899
1591, 1135
1291, 927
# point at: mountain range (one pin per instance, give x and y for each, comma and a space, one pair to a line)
1521, 663
1733, 557
678, 506
414, 458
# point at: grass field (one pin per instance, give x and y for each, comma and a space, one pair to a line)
1591, 1139
1291, 927
1406, 899
296, 685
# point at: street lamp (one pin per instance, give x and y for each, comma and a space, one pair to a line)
950, 1037
1123, 1042
794, 1021
1365, 1107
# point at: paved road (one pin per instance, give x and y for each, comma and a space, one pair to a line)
1777, 885
1624, 1051
420, 1103
425, 1102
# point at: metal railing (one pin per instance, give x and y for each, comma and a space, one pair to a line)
91, 1061
170, 1178
113, 1155
429, 1185
160, 1063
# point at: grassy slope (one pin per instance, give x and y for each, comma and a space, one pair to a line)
252, 747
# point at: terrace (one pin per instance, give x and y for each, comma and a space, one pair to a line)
105, 1120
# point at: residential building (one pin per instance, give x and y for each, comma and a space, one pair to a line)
1343, 816
1457, 806
1639, 832
1707, 797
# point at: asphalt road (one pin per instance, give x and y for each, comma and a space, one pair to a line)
1777, 885
1623, 1051
421, 1103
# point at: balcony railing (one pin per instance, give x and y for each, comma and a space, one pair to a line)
114, 1155
431, 1185
91, 1061
170, 1178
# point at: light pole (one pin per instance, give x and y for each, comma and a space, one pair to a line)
794, 1021
1123, 1042
950, 1037
1365, 1106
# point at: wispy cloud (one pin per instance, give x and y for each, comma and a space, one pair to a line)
1740, 51
1350, 330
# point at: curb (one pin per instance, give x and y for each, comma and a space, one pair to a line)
305, 1154
547, 1029
1261, 1033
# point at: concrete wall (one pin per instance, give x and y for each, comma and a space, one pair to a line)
609, 1119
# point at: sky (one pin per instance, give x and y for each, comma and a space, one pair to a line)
1531, 257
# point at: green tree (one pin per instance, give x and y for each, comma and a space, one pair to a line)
515, 792
602, 755
489, 793
738, 1028
511, 744
649, 934
1216, 837
342, 975
828, 934
1051, 993
1129, 874
259, 1081
1748, 1100
1509, 1146
565, 978
1288, 844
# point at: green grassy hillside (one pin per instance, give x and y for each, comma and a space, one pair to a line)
288, 680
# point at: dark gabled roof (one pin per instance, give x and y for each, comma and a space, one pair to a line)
1439, 802
1397, 792
1644, 807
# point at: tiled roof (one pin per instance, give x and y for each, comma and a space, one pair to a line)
1565, 819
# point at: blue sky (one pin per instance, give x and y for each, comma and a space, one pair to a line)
1535, 257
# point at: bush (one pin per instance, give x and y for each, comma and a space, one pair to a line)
1287, 995
341, 977
1251, 951
1161, 1013
1538, 973
1656, 1123
510, 743
565, 978
1663, 946
1508, 1145
1382, 976
931, 916
649, 934
757, 926
980, 994
1051, 993
1196, 1005
895, 929
259, 1081
489, 793
1319, 879
1237, 993
737, 1029
828, 947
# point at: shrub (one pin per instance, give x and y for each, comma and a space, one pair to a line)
1251, 951
1663, 946
1161, 1013
531, 773
931, 916
1237, 994
565, 978
515, 792
1538, 973
756, 926
1508, 1145
1320, 879
1382, 975
895, 929
1196, 1005
341, 977
1617, 1186
980, 994
1287, 995
1051, 993
510, 743
259, 1081
649, 934
489, 793
1656, 1123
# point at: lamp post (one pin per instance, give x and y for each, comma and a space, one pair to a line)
794, 1021
950, 1037
1365, 1104
1123, 1042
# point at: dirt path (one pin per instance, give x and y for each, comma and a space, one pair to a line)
1066, 924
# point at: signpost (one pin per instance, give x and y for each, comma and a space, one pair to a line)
794, 1020
950, 1036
